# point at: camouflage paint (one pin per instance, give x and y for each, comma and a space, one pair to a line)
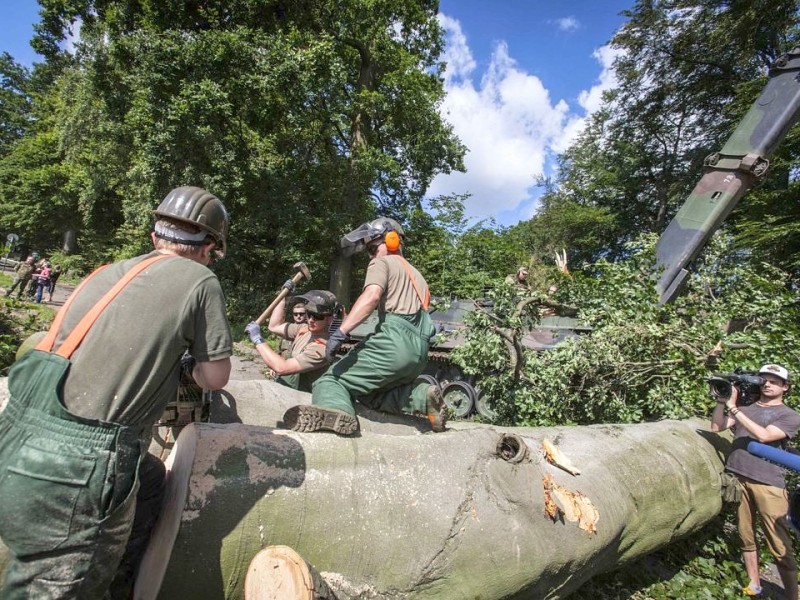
731, 173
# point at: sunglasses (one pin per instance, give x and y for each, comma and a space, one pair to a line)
316, 316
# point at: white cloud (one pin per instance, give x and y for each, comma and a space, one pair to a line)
509, 123
568, 24
591, 99
457, 55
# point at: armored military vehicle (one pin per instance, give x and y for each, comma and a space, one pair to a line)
461, 391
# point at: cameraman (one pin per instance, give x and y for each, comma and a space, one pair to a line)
769, 421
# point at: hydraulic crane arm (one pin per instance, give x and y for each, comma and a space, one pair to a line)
730, 173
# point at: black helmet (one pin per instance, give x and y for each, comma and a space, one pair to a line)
196, 206
358, 239
321, 302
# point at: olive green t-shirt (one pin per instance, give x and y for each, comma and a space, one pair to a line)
127, 367
400, 296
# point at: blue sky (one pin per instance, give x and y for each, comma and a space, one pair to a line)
522, 77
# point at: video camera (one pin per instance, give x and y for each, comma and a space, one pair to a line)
747, 382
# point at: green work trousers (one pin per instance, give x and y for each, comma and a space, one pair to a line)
381, 371
67, 488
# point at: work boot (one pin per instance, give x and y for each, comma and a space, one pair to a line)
436, 408
308, 418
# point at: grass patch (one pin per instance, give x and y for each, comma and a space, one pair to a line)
18, 320
705, 565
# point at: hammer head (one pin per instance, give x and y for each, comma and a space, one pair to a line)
302, 270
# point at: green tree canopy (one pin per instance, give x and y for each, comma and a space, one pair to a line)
688, 70
304, 118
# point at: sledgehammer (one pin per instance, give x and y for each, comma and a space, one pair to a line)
302, 273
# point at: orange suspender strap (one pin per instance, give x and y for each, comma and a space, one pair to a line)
50, 339
427, 299
76, 336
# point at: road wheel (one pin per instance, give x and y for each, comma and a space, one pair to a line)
460, 398
483, 408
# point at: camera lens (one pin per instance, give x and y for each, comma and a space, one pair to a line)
720, 388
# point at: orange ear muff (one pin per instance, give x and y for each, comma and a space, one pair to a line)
392, 241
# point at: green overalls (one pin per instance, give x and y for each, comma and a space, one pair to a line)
67, 484
381, 371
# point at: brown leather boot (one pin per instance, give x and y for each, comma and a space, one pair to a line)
436, 409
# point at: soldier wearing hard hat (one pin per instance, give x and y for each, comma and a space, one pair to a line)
381, 371
74, 435
307, 360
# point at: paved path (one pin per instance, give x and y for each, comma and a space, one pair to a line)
60, 295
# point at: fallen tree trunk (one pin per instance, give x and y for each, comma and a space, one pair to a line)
462, 514
475, 512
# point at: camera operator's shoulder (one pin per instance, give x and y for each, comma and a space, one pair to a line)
789, 421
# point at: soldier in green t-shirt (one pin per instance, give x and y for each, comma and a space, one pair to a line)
298, 318
381, 371
79, 492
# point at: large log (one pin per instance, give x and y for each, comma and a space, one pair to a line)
402, 513
461, 514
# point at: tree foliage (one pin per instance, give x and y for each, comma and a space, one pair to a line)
15, 101
688, 70
641, 361
459, 258
305, 118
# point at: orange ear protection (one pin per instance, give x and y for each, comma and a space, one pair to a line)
392, 241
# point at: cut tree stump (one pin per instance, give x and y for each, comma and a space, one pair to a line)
280, 573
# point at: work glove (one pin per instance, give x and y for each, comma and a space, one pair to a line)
289, 286
336, 339
253, 329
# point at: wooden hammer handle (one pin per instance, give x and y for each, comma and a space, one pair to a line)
284, 292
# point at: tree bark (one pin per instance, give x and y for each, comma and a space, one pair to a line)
397, 512
400, 513
341, 271
70, 242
